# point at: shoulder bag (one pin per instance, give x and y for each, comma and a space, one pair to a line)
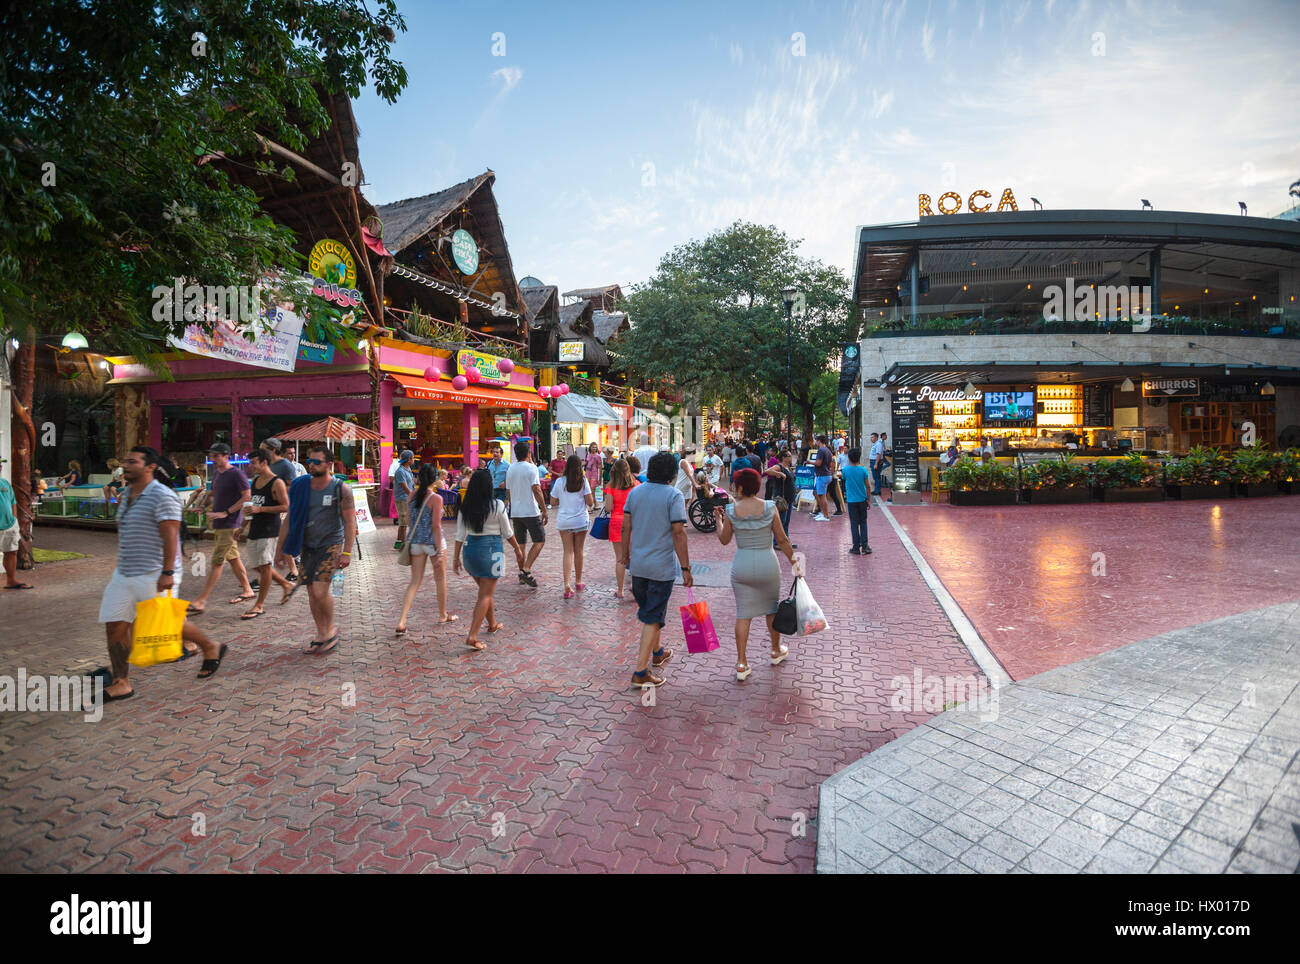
600, 524
404, 554
786, 620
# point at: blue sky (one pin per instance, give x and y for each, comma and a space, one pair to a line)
620, 130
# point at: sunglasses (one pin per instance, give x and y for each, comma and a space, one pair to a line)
314, 461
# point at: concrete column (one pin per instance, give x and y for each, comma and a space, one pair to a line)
916, 258
1155, 281
241, 426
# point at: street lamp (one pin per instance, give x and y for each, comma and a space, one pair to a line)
787, 295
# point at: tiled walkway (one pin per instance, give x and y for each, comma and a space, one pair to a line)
529, 756
1174, 754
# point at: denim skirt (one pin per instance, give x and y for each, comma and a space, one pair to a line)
484, 557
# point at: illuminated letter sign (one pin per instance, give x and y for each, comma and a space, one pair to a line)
950, 202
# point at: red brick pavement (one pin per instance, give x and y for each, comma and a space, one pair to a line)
1024, 574
531, 755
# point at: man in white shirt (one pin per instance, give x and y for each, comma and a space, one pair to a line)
645, 451
877, 459
528, 511
712, 466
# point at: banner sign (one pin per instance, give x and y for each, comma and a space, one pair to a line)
464, 251
1171, 387
486, 365
907, 467
364, 522
571, 351
314, 351
365, 476
332, 262
276, 349
803, 477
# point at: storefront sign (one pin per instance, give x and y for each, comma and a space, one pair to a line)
341, 295
804, 477
1171, 387
314, 351
907, 465
464, 251
1237, 392
276, 349
942, 394
486, 365
978, 203
365, 476
406, 423
571, 351
332, 262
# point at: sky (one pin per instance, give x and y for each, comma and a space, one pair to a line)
619, 130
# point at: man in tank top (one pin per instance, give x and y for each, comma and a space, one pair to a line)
270, 500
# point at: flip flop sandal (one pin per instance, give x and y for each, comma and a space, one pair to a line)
320, 647
23, 585
210, 666
191, 611
451, 618
186, 654
110, 698
251, 615
476, 644
289, 594
495, 626
239, 599
401, 632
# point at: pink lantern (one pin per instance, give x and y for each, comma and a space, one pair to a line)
432, 373
505, 366
564, 388
459, 383
544, 391
472, 375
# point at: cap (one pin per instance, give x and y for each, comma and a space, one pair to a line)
221, 448
275, 444
406, 455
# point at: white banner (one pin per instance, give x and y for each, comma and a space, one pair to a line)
276, 349
364, 522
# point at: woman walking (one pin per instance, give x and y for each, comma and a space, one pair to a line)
621, 482
685, 483
780, 488
426, 544
572, 494
480, 528
592, 465
755, 572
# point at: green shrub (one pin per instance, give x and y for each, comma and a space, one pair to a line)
1130, 472
1051, 474
1251, 465
967, 474
1201, 466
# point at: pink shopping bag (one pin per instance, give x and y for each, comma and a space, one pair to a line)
697, 626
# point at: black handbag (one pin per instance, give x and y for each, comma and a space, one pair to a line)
786, 622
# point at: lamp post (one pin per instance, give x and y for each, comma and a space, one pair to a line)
787, 295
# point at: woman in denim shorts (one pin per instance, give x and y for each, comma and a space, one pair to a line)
426, 543
481, 527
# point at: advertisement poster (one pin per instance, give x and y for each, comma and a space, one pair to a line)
276, 349
364, 522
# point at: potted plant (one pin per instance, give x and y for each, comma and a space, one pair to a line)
1250, 469
1130, 479
1286, 470
971, 482
1203, 473
1053, 482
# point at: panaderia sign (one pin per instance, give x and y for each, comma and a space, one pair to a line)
943, 394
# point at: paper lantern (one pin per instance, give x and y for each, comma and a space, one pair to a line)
505, 366
472, 375
459, 383
432, 373
564, 388
544, 391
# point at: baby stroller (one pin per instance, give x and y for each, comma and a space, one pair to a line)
707, 498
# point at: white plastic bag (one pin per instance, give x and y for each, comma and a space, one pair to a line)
810, 615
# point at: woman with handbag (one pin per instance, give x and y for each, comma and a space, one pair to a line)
621, 482
425, 543
482, 527
572, 494
755, 571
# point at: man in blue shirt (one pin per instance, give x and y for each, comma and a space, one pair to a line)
855, 494
499, 467
403, 486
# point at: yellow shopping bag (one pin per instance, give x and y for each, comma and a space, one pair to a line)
158, 624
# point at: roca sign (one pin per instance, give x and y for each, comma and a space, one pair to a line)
978, 202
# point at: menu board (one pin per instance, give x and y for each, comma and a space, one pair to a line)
1098, 410
907, 466
924, 413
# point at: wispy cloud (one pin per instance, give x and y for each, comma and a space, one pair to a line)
880, 103
509, 77
927, 40
737, 53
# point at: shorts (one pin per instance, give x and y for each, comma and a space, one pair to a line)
318, 565
404, 512
9, 539
530, 526
651, 597
123, 593
821, 483
501, 494
261, 552
223, 546
484, 557
428, 549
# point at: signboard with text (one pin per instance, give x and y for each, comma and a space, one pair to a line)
907, 465
1171, 387
571, 351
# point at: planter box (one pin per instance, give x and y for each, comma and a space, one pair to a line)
1177, 491
1073, 495
1245, 490
1287, 488
1137, 493
991, 497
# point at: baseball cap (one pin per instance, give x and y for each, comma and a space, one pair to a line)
274, 444
221, 448
406, 455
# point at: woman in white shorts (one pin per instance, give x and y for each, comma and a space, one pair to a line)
426, 543
572, 493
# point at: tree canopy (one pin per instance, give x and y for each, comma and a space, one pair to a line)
106, 110
712, 320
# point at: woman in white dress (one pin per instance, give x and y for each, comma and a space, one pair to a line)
685, 483
571, 493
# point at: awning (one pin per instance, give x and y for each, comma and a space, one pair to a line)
441, 391
587, 409
329, 430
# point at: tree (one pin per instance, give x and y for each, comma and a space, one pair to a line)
712, 320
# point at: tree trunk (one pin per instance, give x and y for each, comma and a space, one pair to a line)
24, 447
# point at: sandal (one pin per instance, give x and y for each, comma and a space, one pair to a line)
495, 626
239, 599
210, 666
778, 658
476, 644
23, 585
251, 614
400, 631
191, 611
742, 672
451, 618
109, 697
568, 594
288, 593
317, 648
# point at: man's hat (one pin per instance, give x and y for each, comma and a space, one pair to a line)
274, 444
221, 448
406, 455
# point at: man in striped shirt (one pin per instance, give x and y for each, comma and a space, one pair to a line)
148, 544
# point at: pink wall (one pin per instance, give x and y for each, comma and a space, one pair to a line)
391, 357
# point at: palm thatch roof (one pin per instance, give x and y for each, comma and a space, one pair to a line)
607, 324
543, 304
592, 293
576, 324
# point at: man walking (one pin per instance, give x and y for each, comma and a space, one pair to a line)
653, 549
528, 512
148, 544
855, 493
876, 455
9, 535
322, 525
281, 467
823, 473
270, 498
499, 468
645, 451
229, 493
403, 486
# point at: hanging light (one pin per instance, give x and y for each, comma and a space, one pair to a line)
970, 388
1126, 385
1268, 389
75, 339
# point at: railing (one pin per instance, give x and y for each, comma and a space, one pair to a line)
1161, 325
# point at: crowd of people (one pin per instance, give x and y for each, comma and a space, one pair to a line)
301, 531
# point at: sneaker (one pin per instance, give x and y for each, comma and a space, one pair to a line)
820, 518
661, 657
855, 551
649, 677
866, 551
838, 513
